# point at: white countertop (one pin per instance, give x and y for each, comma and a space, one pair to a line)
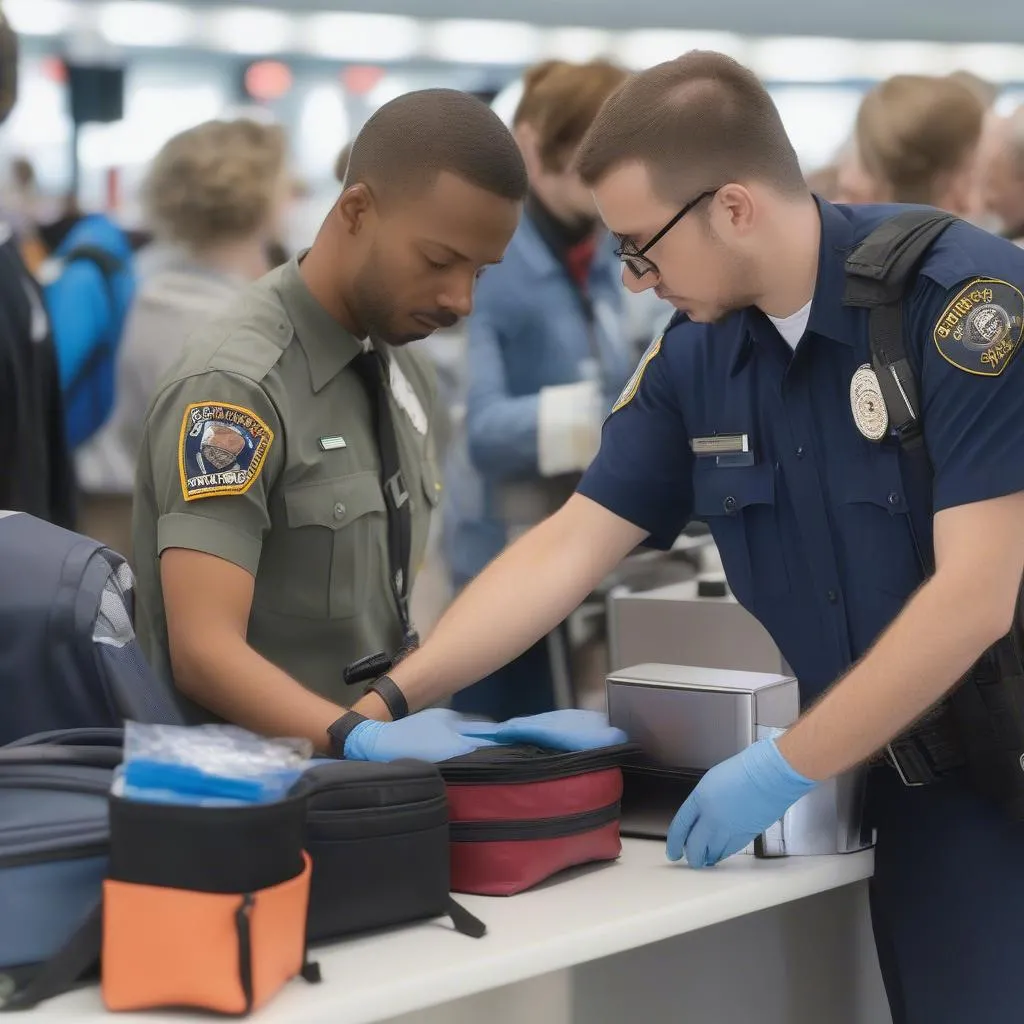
582, 916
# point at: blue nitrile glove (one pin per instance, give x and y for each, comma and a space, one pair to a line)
569, 729
427, 736
734, 802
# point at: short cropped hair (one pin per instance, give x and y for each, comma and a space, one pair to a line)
697, 122
913, 129
408, 142
560, 101
216, 182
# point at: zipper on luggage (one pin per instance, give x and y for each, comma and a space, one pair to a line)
97, 848
243, 920
544, 766
538, 828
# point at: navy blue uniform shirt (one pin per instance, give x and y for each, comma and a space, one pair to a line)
817, 532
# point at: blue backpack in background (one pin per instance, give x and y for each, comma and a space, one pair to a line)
88, 287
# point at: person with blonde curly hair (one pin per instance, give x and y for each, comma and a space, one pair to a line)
213, 196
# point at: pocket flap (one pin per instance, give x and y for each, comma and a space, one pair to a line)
726, 490
432, 484
334, 503
876, 484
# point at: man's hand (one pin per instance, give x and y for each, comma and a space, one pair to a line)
567, 729
428, 736
734, 802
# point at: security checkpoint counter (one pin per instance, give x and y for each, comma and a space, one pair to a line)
782, 941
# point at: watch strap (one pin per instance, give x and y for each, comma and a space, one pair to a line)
388, 690
340, 731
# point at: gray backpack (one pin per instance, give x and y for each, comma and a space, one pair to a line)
68, 654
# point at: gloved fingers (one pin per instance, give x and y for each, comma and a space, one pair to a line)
719, 848
736, 843
703, 838
477, 727
679, 830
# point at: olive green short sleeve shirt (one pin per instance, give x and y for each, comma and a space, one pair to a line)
260, 448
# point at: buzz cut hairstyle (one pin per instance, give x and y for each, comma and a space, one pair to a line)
408, 142
698, 122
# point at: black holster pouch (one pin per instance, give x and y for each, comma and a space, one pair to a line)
987, 711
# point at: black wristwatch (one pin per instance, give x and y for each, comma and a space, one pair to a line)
387, 689
339, 732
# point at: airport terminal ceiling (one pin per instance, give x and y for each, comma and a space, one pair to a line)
945, 20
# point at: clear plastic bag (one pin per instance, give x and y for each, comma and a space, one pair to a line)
209, 765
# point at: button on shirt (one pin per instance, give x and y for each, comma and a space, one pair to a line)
818, 527
260, 448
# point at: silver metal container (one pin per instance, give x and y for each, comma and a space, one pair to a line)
687, 719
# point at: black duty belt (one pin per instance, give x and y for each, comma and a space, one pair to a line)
928, 751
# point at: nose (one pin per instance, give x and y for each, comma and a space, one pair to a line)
458, 297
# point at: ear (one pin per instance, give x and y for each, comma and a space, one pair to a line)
529, 145
733, 210
355, 206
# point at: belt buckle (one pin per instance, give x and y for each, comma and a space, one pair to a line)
910, 762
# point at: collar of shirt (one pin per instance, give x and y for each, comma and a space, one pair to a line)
829, 317
328, 346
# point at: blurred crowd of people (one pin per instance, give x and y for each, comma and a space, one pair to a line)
527, 380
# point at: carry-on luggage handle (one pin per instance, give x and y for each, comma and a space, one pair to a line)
44, 754
96, 737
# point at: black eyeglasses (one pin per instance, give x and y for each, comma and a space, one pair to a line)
634, 258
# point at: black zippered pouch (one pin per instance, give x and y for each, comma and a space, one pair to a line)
520, 814
378, 838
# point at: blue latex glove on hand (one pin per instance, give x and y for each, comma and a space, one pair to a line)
568, 729
734, 802
427, 736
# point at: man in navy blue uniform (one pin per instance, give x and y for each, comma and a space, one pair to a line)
758, 412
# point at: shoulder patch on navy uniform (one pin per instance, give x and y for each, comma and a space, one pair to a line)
221, 450
633, 384
981, 328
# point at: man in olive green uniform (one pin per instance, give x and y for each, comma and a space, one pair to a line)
261, 512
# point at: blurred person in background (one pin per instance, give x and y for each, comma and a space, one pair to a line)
88, 283
916, 140
547, 352
1002, 174
35, 468
214, 197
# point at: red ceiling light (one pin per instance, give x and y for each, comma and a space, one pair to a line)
359, 79
267, 79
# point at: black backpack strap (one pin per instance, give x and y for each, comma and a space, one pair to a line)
75, 962
879, 272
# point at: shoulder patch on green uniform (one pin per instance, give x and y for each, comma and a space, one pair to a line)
633, 384
981, 328
221, 450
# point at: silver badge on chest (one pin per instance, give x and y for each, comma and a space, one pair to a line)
869, 411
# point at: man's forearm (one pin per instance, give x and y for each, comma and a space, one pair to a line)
234, 682
940, 633
522, 595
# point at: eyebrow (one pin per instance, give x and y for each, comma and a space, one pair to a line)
455, 252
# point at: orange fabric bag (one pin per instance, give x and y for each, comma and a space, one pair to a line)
193, 912
215, 951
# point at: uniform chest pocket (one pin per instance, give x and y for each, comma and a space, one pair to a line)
334, 544
876, 539
739, 506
